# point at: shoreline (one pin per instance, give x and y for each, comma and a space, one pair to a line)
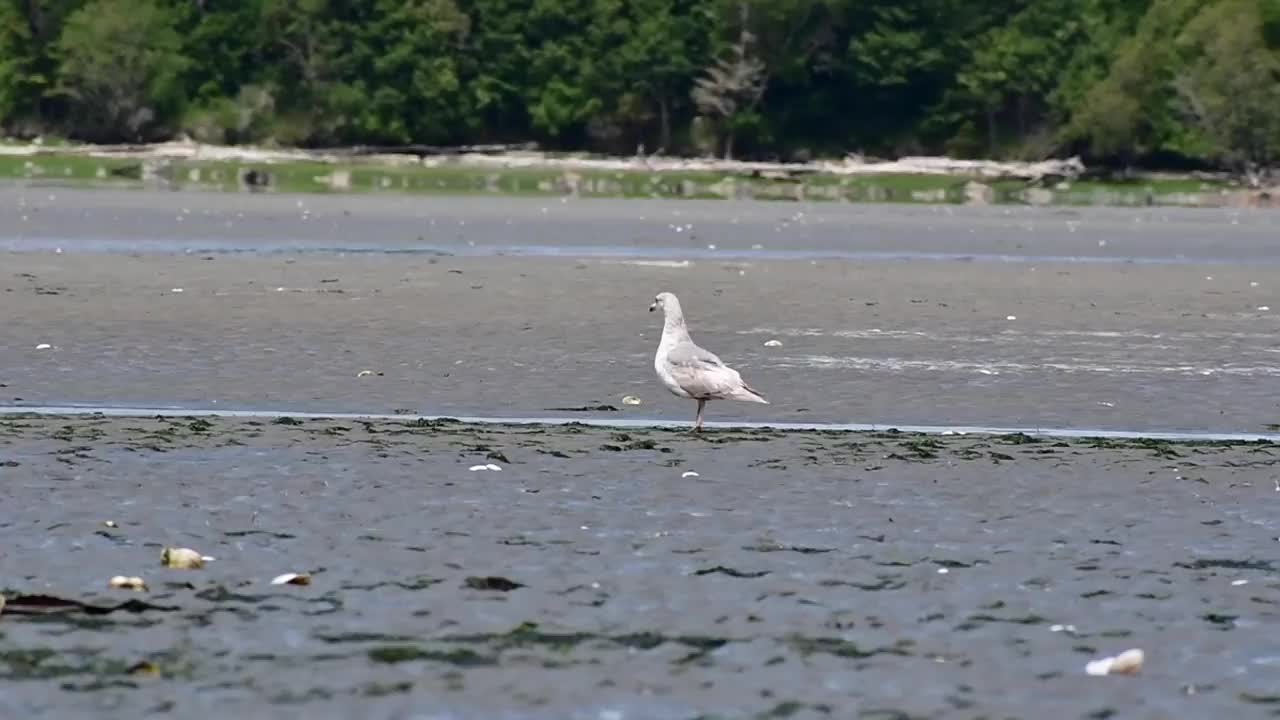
500, 172
599, 422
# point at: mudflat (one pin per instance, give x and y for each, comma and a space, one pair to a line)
927, 342
639, 574
497, 570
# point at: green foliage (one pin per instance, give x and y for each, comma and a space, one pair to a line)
1114, 79
1228, 82
121, 65
20, 81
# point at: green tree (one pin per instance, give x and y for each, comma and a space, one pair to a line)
1228, 82
405, 72
28, 68
666, 42
21, 83
903, 56
121, 66
1013, 70
1132, 110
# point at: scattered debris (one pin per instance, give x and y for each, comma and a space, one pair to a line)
722, 570
1062, 628
123, 582
631, 400
689, 474
43, 346
182, 558
773, 343
1127, 662
492, 582
292, 579
144, 667
1011, 317
366, 373
110, 523
489, 466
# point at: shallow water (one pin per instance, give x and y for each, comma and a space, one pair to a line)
182, 222
797, 574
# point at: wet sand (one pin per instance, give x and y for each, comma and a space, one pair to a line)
1115, 346
796, 575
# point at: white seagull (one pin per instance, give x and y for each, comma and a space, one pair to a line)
689, 371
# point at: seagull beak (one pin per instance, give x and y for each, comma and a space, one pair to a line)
653, 306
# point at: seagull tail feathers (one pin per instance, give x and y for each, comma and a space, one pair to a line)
748, 394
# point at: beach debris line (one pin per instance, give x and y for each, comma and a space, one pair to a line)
41, 604
1126, 663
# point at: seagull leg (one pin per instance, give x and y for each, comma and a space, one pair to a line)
697, 426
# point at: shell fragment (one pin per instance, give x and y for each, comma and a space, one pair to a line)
182, 558
1126, 663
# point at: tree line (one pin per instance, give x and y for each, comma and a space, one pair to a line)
1167, 82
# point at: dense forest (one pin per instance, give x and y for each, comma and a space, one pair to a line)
1164, 82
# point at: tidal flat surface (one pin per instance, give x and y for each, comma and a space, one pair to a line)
797, 574
1114, 346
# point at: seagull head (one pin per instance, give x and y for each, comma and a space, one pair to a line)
663, 300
